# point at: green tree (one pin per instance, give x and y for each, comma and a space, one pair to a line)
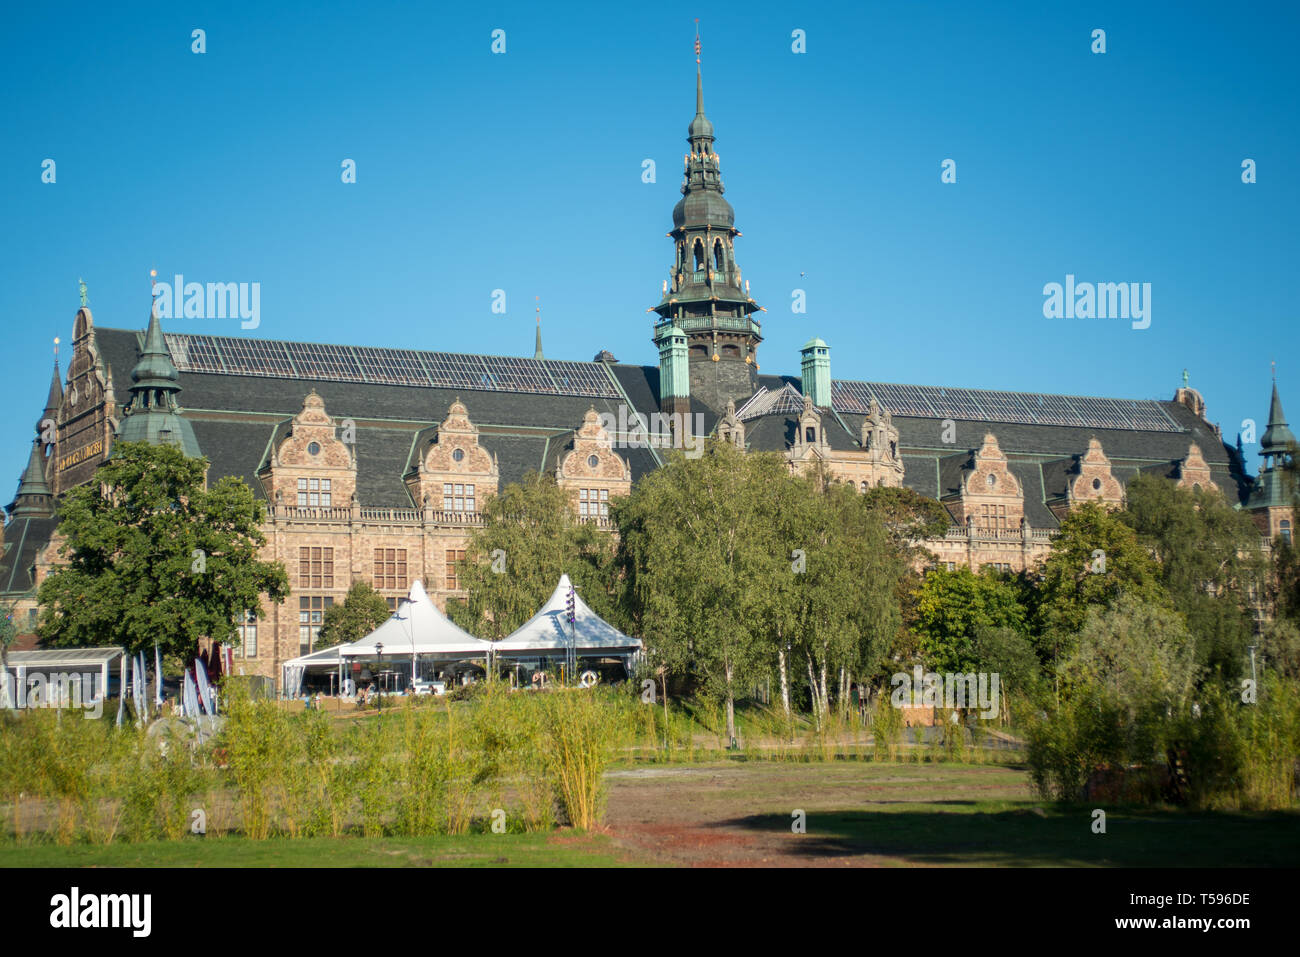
361, 612
1093, 559
530, 536
845, 604
1134, 653
699, 554
1210, 563
954, 607
154, 557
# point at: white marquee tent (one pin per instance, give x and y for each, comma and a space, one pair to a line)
417, 629
548, 632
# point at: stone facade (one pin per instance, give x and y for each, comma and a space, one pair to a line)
592, 472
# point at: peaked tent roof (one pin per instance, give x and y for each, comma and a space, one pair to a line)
548, 630
417, 627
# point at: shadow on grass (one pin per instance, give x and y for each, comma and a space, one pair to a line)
1044, 836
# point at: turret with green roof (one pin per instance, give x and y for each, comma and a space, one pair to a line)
152, 414
1277, 446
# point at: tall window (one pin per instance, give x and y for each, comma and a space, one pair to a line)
390, 568
1284, 529
454, 557
311, 614
316, 568
314, 492
593, 502
458, 498
247, 631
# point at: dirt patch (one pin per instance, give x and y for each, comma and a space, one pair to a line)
744, 815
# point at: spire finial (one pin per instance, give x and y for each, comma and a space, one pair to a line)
1273, 365
699, 79
56, 350
81, 286
1184, 378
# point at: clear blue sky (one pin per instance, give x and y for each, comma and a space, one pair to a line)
522, 172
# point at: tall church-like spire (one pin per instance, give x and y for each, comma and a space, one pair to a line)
705, 295
153, 414
1276, 447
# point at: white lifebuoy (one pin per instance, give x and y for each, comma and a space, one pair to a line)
588, 679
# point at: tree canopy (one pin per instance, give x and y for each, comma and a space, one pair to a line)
154, 557
361, 612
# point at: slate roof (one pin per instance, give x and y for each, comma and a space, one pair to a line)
237, 418
24, 537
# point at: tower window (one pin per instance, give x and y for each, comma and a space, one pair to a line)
731, 352
717, 254
1284, 531
810, 434
699, 255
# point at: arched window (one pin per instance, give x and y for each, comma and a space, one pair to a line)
700, 351
731, 352
717, 254
699, 255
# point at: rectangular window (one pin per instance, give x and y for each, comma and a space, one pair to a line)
457, 497
390, 568
247, 630
315, 567
311, 614
314, 493
454, 557
593, 502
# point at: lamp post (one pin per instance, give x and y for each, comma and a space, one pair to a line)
379, 650
410, 633
571, 658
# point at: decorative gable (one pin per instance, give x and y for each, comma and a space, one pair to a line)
1194, 471
592, 471
810, 441
991, 496
454, 460
730, 428
312, 467
1094, 482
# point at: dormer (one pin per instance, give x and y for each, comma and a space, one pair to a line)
1194, 471
592, 471
810, 436
730, 429
453, 472
1094, 481
311, 466
991, 495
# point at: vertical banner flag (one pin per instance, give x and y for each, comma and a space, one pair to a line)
157, 677
121, 691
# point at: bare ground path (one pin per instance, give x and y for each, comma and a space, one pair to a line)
741, 814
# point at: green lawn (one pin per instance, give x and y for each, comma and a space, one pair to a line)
468, 850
